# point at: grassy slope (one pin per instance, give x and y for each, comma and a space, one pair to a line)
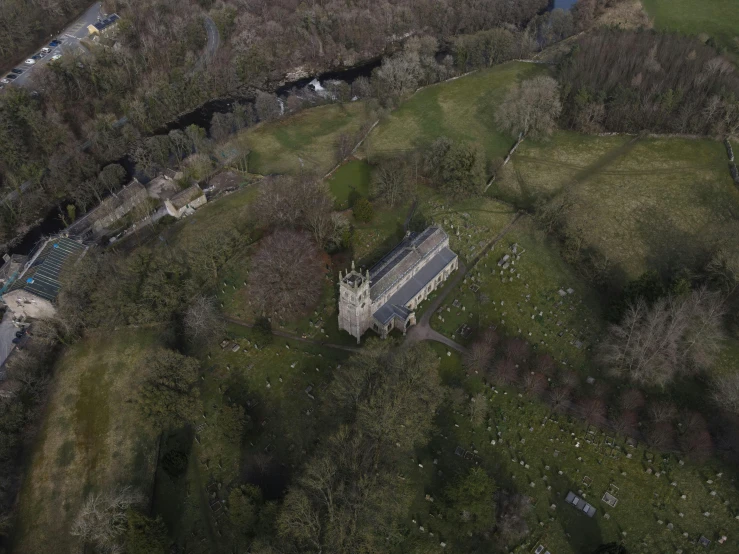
463, 109
353, 176
309, 136
92, 438
717, 18
645, 205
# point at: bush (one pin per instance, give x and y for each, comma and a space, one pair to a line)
363, 210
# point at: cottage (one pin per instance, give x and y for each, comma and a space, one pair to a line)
34, 291
186, 202
104, 26
164, 186
386, 296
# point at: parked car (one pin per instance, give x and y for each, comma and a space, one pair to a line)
54, 43
11, 76
4, 81
16, 71
30, 61
38, 56
45, 50
55, 57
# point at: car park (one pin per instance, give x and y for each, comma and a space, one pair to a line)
30, 61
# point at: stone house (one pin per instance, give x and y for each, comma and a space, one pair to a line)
386, 296
185, 202
35, 290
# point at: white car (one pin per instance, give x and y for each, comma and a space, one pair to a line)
29, 61
55, 57
4, 81
46, 50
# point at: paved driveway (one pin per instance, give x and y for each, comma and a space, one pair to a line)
70, 38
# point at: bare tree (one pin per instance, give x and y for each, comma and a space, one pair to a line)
517, 350
560, 398
391, 181
202, 320
675, 336
626, 423
103, 520
662, 411
726, 392
505, 371
531, 108
544, 364
535, 384
399, 75
286, 278
661, 435
593, 410
267, 106
632, 399
478, 356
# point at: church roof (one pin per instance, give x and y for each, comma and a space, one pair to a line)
414, 250
395, 306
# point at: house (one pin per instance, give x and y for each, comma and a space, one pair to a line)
185, 202
102, 219
35, 290
385, 297
9, 270
164, 186
104, 26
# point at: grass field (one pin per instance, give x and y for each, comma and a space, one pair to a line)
649, 203
304, 141
92, 438
352, 178
463, 110
717, 18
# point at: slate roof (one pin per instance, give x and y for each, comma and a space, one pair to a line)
183, 198
107, 22
411, 252
395, 306
42, 276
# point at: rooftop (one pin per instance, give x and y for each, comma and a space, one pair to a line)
41, 278
412, 251
183, 198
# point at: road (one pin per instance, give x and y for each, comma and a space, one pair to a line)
7, 334
214, 41
70, 38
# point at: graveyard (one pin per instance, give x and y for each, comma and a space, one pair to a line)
664, 501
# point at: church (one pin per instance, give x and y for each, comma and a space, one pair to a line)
385, 297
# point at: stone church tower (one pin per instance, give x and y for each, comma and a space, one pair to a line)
355, 304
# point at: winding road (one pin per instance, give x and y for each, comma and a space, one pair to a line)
214, 42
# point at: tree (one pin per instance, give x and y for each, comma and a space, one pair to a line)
661, 435
111, 177
363, 210
391, 181
676, 336
286, 278
726, 392
221, 126
517, 350
457, 169
531, 108
103, 519
169, 394
398, 76
632, 400
535, 384
472, 500
593, 410
243, 507
267, 106
512, 509
202, 321
479, 355
146, 535
505, 371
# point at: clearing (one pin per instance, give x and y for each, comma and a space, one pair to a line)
92, 439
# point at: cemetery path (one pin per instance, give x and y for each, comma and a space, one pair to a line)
422, 330
291, 336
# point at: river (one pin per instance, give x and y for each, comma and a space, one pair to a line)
200, 116
563, 4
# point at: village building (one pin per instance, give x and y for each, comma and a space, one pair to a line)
104, 26
386, 296
185, 202
165, 185
10, 269
33, 293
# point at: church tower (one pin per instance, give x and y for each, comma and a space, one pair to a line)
355, 304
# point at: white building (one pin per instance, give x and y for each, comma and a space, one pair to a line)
385, 297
